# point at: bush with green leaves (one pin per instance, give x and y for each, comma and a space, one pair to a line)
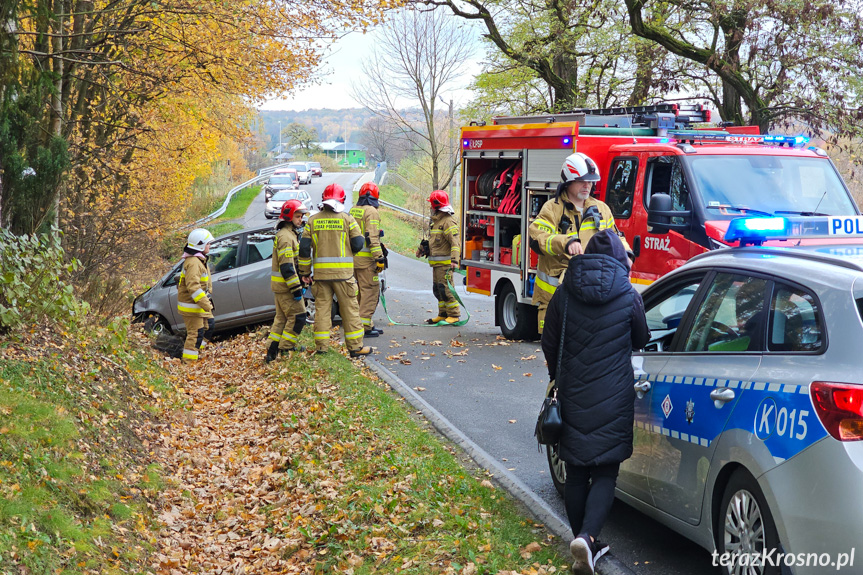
33, 274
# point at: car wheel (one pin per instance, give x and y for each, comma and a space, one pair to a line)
556, 467
156, 325
745, 526
517, 320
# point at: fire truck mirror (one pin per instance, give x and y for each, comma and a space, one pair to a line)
661, 217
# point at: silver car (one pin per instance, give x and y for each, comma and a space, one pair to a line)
274, 205
304, 171
749, 406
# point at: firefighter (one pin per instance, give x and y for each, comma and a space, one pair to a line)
332, 237
285, 282
194, 301
565, 224
442, 251
369, 261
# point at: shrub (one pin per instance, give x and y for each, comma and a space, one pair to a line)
33, 274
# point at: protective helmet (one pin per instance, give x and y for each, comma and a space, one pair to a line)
579, 167
291, 207
199, 238
439, 199
370, 189
334, 192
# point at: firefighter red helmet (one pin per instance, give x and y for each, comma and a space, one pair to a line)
370, 189
439, 199
291, 207
334, 192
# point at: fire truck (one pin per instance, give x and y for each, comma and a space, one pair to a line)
673, 183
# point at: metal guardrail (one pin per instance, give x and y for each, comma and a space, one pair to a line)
400, 209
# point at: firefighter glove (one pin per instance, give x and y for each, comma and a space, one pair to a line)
379, 265
298, 293
212, 305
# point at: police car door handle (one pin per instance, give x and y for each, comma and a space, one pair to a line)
721, 396
641, 387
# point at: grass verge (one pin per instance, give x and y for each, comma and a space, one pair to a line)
75, 478
239, 204
396, 497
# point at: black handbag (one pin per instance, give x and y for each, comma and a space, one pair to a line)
549, 424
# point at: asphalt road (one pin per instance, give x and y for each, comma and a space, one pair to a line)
491, 392
255, 215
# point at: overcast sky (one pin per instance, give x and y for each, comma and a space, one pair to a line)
342, 68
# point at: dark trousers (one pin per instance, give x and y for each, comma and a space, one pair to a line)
588, 495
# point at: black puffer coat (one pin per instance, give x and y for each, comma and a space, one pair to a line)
604, 323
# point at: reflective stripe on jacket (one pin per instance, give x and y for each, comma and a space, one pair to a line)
193, 287
444, 242
286, 248
369, 221
330, 233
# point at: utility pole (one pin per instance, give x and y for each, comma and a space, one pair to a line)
280, 139
453, 188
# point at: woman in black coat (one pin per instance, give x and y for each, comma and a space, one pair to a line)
600, 318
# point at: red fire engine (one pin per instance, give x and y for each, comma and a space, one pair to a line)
672, 184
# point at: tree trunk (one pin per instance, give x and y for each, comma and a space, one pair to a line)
57, 97
643, 74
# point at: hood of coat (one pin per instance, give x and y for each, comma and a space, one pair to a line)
596, 278
368, 201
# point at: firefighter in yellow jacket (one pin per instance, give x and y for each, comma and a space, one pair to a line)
194, 301
443, 253
565, 225
332, 237
285, 282
369, 261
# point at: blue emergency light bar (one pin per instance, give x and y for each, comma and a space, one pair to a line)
778, 140
755, 231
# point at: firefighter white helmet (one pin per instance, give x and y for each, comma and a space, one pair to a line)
579, 167
199, 238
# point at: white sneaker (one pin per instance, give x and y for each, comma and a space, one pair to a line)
582, 552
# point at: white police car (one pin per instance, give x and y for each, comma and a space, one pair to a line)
749, 409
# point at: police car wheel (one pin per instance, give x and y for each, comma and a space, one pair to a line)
745, 528
556, 467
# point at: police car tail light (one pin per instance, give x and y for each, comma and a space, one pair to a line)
840, 408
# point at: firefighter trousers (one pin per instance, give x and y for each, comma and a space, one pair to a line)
289, 322
346, 292
370, 291
541, 298
197, 328
447, 305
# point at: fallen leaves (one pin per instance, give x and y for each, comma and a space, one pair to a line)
496, 367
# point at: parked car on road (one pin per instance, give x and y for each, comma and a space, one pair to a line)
316, 168
278, 182
274, 205
749, 397
304, 171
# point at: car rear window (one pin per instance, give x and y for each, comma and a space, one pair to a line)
282, 180
284, 196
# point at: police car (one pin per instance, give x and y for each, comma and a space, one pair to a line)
749, 408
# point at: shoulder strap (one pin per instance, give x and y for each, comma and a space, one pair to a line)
560, 345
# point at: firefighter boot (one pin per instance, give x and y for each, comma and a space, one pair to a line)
361, 351
288, 351
451, 320
272, 351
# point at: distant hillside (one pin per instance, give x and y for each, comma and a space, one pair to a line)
330, 124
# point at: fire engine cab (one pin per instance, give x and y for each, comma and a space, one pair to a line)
673, 184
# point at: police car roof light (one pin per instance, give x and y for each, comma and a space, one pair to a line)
760, 229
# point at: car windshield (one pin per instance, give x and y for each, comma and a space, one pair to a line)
300, 167
767, 185
315, 164
285, 196
283, 180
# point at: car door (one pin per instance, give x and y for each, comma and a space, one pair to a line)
254, 276
713, 361
665, 306
170, 311
223, 263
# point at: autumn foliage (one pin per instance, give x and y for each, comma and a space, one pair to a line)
144, 96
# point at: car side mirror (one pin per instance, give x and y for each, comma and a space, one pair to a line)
660, 213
